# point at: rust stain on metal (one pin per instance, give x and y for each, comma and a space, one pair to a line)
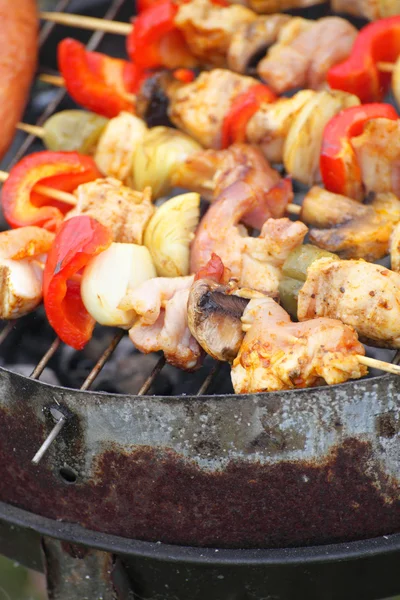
153, 495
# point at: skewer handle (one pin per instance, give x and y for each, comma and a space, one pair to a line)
90, 23
374, 363
31, 129
48, 191
386, 67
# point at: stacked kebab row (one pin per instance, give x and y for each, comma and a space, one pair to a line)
188, 285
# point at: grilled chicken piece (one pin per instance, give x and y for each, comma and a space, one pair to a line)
117, 145
368, 9
305, 51
302, 148
277, 354
378, 155
348, 228
273, 6
21, 275
395, 249
250, 39
199, 108
161, 322
208, 28
270, 125
210, 172
361, 294
255, 262
124, 211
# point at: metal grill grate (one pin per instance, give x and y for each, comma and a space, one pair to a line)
24, 148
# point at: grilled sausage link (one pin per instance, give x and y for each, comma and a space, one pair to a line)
18, 52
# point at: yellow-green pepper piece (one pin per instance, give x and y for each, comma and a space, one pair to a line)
74, 130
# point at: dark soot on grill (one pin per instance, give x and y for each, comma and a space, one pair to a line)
124, 372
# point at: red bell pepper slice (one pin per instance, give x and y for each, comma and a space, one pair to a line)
359, 74
243, 107
65, 171
184, 75
338, 163
214, 270
97, 82
155, 40
77, 241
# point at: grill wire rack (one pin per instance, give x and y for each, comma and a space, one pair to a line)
25, 147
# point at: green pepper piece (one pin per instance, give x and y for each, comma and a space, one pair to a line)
74, 130
301, 258
288, 292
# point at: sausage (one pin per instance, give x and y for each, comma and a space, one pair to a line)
18, 57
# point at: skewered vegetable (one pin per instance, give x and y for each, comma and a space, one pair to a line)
359, 74
301, 153
122, 210
73, 131
351, 229
242, 109
96, 81
277, 354
214, 313
360, 294
76, 242
107, 279
161, 322
22, 205
340, 170
117, 146
154, 160
170, 232
294, 274
155, 41
21, 273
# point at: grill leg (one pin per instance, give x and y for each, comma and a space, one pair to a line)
74, 572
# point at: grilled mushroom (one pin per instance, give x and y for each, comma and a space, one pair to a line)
348, 228
214, 318
153, 100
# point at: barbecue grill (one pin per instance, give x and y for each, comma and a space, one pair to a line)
170, 486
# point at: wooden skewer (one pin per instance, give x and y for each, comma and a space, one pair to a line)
386, 67
48, 191
90, 23
374, 363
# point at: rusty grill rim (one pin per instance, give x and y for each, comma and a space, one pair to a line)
74, 533
92, 44
183, 398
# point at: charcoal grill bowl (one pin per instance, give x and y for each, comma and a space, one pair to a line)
297, 468
364, 570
